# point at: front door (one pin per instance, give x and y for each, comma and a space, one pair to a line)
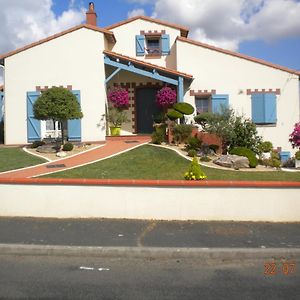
146, 109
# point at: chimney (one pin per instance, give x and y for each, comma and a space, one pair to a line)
91, 16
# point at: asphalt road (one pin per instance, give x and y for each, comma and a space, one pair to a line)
59, 277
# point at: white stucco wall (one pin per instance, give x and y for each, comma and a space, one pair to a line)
125, 36
233, 76
73, 59
152, 202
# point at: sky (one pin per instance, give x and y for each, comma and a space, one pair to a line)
266, 29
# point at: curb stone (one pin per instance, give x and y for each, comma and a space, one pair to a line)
146, 252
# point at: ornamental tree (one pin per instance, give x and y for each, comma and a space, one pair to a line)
57, 104
118, 97
295, 136
166, 97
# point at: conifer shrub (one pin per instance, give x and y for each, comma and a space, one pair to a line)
193, 143
242, 151
36, 144
192, 153
194, 172
68, 147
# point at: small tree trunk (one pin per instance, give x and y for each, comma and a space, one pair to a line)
62, 133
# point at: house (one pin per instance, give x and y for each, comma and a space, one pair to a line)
143, 54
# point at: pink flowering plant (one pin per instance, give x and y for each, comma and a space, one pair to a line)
166, 97
118, 97
295, 136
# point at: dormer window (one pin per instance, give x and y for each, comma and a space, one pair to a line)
152, 43
153, 46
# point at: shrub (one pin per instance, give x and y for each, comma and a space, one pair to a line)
290, 163
166, 97
194, 172
118, 97
295, 136
192, 153
182, 132
297, 155
214, 147
205, 159
242, 151
265, 146
157, 137
68, 147
273, 161
193, 143
36, 144
184, 108
173, 114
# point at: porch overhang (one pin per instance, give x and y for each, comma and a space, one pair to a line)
170, 76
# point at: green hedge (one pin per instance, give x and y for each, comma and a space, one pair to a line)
242, 151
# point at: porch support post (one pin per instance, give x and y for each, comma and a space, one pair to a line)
113, 74
180, 89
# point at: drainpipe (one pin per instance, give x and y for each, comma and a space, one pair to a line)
3, 68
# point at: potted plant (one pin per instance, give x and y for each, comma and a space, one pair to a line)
297, 159
116, 117
118, 102
266, 147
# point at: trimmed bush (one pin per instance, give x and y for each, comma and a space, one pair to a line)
173, 114
192, 153
205, 159
297, 155
242, 151
68, 147
194, 172
157, 137
265, 146
36, 144
182, 132
214, 147
184, 108
193, 143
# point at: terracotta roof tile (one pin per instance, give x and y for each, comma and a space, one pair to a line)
183, 30
106, 32
236, 54
145, 64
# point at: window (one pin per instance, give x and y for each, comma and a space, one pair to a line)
152, 45
202, 104
213, 103
50, 125
264, 108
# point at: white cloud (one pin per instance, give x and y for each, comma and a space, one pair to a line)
26, 21
136, 12
226, 23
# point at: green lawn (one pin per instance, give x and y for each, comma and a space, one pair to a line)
15, 158
148, 162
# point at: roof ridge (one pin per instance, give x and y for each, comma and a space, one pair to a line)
175, 72
240, 55
56, 35
184, 30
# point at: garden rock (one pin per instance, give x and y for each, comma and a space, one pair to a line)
46, 149
232, 161
61, 154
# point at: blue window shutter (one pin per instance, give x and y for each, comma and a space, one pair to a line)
219, 102
33, 125
1, 105
270, 108
140, 45
264, 108
74, 126
165, 44
258, 108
